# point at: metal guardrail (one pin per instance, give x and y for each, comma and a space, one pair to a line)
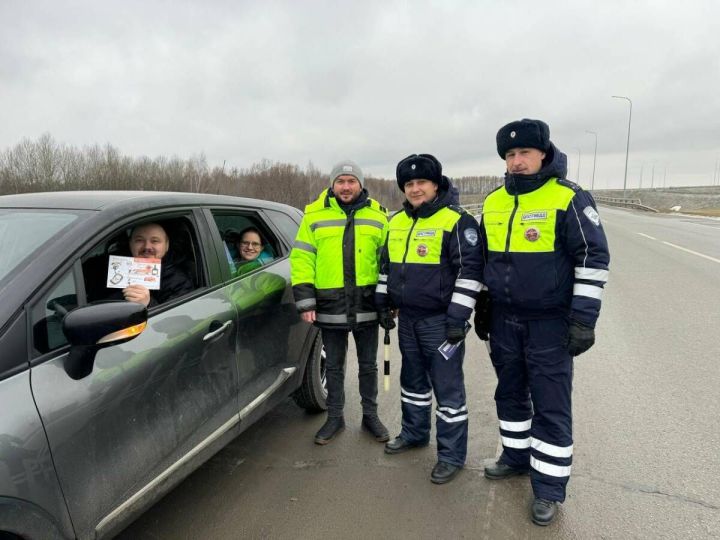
625, 203
474, 209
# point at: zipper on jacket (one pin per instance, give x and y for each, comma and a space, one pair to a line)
510, 223
402, 266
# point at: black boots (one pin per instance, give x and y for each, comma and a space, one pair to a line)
375, 427
543, 511
443, 472
500, 471
332, 426
399, 445
335, 424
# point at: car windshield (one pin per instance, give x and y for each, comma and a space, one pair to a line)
24, 231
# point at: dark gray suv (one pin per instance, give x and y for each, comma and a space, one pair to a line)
108, 404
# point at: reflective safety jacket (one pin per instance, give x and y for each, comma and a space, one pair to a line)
334, 261
431, 263
547, 255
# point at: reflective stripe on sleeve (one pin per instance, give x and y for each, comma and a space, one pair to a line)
381, 288
304, 246
463, 300
308, 303
515, 426
549, 469
591, 291
595, 274
551, 449
469, 284
509, 442
382, 278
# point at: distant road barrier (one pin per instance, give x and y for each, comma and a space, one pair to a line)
473, 209
476, 209
626, 203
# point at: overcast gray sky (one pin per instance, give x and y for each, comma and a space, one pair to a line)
300, 81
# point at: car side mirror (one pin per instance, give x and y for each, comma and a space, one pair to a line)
91, 328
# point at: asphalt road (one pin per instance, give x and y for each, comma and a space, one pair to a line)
647, 430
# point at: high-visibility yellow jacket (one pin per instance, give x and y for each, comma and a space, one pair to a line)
334, 261
546, 251
431, 264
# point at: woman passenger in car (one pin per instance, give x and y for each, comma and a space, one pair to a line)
249, 245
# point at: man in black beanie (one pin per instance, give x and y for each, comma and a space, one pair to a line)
430, 270
546, 262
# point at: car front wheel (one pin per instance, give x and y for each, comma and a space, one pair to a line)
312, 394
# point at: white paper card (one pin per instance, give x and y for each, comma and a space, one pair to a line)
448, 349
124, 271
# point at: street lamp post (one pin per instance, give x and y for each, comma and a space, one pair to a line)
652, 177
577, 176
592, 182
627, 148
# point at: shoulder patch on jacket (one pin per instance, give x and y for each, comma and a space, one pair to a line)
567, 183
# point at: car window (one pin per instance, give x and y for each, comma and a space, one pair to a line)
247, 241
47, 315
24, 231
180, 270
285, 223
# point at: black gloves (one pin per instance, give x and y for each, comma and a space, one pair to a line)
580, 338
386, 319
482, 315
456, 330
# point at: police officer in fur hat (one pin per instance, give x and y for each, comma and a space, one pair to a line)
430, 270
546, 265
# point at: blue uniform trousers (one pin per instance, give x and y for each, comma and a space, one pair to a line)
534, 371
425, 370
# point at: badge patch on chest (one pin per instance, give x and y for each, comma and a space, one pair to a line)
534, 216
532, 234
592, 215
422, 250
471, 235
425, 234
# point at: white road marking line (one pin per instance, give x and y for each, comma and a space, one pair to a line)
646, 236
713, 259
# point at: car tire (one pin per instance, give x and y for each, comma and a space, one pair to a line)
312, 394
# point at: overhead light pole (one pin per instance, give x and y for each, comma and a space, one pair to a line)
577, 176
592, 182
627, 148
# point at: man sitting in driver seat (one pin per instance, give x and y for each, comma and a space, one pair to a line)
149, 240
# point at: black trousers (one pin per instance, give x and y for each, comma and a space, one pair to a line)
366, 343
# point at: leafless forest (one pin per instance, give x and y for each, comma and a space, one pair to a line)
46, 165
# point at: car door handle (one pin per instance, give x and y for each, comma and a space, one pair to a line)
217, 331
